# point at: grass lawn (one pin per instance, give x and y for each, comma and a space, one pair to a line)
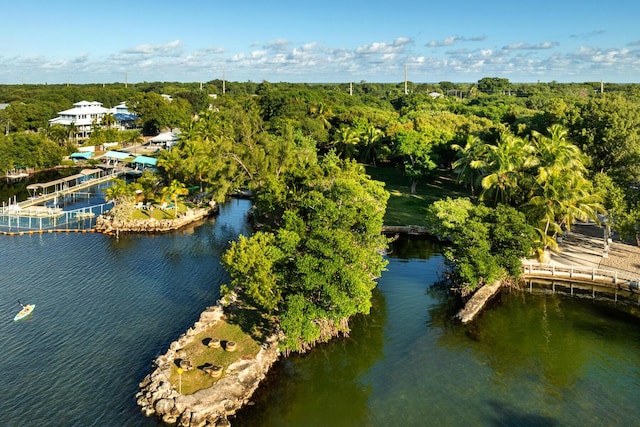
200, 355
158, 213
404, 208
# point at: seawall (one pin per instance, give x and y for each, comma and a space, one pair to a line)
211, 406
109, 224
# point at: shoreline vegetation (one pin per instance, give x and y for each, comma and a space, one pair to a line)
499, 177
180, 389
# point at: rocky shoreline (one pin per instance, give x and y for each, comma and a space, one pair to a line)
211, 406
109, 223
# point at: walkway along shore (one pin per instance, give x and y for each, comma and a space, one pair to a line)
584, 248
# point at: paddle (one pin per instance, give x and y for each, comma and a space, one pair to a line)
23, 306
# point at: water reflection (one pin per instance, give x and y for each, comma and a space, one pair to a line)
416, 248
324, 386
9, 189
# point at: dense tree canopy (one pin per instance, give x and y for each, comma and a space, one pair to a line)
318, 267
487, 244
607, 128
27, 149
537, 149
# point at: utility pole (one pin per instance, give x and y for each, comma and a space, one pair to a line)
126, 83
406, 91
351, 88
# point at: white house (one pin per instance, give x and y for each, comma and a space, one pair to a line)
85, 114
82, 115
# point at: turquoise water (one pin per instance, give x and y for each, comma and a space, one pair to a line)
106, 308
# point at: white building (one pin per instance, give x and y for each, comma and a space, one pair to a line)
84, 115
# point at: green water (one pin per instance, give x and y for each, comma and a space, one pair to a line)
529, 360
107, 307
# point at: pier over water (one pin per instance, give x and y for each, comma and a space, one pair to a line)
590, 264
73, 201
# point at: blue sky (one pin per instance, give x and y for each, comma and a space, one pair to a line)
321, 41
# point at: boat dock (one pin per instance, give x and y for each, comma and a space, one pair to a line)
34, 213
48, 191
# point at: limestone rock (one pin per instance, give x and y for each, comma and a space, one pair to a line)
211, 406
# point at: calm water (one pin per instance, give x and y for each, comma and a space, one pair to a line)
529, 361
104, 309
107, 307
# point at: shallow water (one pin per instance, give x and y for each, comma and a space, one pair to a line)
530, 360
106, 308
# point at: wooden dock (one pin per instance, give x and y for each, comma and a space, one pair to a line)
63, 190
586, 281
33, 214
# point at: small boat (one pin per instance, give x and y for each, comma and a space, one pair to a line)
25, 312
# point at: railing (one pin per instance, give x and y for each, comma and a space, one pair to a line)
82, 218
32, 201
607, 278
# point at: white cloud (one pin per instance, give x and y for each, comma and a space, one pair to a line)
398, 45
173, 48
282, 60
449, 41
528, 46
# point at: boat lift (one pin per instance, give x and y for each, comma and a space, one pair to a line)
48, 190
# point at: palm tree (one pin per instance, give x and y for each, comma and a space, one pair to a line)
470, 160
196, 159
563, 193
171, 193
134, 137
58, 133
117, 192
346, 141
172, 163
72, 130
370, 140
321, 113
108, 120
505, 165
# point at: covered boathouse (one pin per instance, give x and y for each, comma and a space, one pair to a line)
58, 185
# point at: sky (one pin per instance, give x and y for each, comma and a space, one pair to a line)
44, 41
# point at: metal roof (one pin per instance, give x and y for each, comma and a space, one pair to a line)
164, 137
82, 155
83, 173
117, 155
146, 160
